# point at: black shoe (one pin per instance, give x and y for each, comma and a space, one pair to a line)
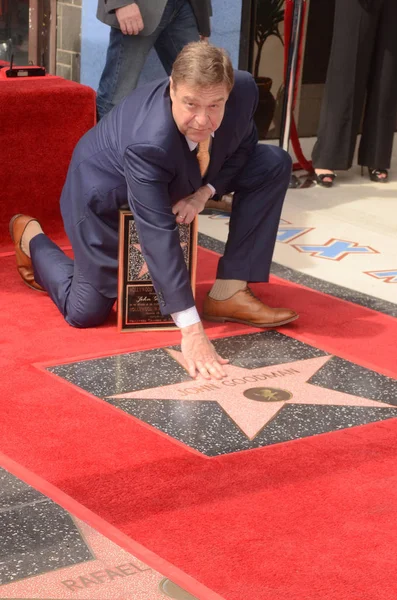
320, 179
375, 175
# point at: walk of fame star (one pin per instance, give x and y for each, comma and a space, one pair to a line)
252, 398
277, 389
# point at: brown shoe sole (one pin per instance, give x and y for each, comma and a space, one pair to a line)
12, 223
12, 237
249, 323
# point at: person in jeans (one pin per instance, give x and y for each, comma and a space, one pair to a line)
137, 27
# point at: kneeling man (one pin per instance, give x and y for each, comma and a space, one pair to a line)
166, 149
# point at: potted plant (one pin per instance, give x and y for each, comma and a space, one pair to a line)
269, 14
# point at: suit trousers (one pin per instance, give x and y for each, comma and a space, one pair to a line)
259, 192
78, 301
126, 54
361, 84
259, 189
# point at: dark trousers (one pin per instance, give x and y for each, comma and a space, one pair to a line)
259, 192
78, 301
362, 72
259, 195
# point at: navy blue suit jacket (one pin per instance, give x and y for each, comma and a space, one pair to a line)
136, 154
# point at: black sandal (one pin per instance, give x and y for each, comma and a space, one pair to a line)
375, 175
320, 179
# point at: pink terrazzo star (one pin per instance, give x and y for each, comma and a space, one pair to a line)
112, 574
253, 397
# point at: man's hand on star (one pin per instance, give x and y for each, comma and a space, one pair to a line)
200, 355
187, 208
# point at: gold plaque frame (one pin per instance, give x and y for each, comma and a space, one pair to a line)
137, 307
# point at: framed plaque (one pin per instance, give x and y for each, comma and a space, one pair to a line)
137, 306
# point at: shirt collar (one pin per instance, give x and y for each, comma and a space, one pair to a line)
193, 145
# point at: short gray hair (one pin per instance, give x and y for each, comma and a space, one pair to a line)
201, 64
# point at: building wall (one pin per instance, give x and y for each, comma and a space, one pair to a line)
68, 55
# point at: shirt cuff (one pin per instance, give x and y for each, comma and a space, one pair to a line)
184, 318
213, 190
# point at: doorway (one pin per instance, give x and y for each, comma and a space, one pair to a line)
28, 33
262, 36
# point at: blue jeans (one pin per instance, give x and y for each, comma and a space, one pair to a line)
126, 54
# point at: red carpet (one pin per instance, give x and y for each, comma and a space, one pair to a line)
306, 520
41, 120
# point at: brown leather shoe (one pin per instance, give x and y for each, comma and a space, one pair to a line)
244, 307
18, 225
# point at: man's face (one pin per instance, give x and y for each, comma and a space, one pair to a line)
197, 111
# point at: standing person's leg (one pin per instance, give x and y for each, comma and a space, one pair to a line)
126, 55
259, 194
42, 264
381, 108
347, 75
181, 29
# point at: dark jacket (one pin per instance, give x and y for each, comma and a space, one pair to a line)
136, 154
